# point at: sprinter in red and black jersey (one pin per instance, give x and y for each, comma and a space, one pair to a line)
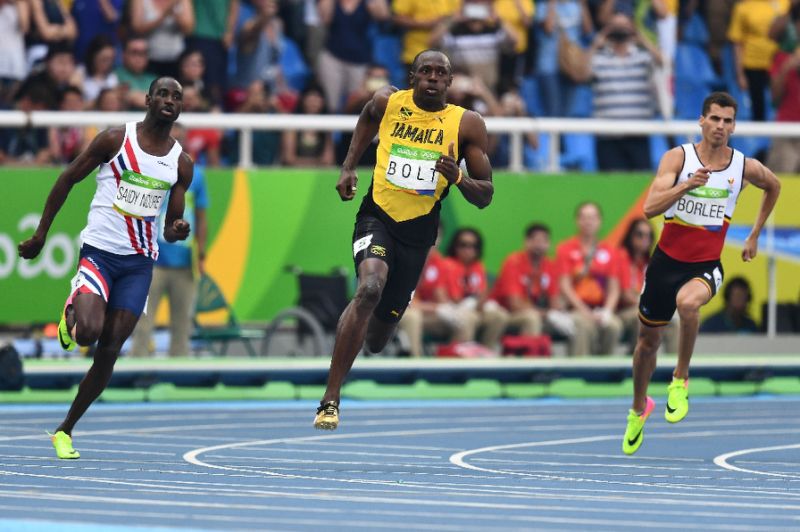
696, 190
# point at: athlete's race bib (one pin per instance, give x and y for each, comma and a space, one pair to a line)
413, 169
140, 196
703, 206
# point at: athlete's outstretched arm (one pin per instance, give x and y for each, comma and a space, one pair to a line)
367, 127
100, 150
664, 192
763, 178
476, 187
175, 227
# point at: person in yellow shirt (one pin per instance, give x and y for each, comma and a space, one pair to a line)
421, 140
753, 48
419, 18
517, 16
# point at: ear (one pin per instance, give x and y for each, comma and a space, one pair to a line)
147, 100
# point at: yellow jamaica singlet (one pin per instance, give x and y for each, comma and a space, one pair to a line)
406, 189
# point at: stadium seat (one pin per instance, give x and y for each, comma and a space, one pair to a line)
658, 146
695, 31
530, 93
581, 106
579, 152
693, 65
294, 67
210, 299
386, 51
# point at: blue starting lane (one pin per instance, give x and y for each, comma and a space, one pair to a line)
732, 464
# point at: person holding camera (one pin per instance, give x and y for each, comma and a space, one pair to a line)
620, 69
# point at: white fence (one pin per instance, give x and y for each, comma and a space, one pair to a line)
515, 127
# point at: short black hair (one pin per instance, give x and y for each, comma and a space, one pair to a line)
415, 62
737, 282
627, 241
583, 204
451, 249
723, 99
69, 89
536, 227
155, 82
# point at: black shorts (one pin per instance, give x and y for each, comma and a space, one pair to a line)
372, 240
664, 278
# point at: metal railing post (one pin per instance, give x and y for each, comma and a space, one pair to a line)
246, 147
516, 162
554, 156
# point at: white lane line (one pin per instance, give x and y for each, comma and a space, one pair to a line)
722, 460
500, 461
317, 452
319, 498
596, 455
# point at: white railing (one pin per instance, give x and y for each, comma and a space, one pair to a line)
515, 127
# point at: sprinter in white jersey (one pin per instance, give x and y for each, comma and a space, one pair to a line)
696, 190
140, 165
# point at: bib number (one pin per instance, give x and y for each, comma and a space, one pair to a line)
413, 169
703, 206
140, 196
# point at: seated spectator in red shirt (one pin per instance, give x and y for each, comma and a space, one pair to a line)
468, 288
527, 287
431, 309
66, 142
589, 279
634, 256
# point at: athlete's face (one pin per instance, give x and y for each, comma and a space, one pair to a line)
718, 124
166, 101
431, 79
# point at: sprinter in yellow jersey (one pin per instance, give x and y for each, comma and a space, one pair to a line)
422, 138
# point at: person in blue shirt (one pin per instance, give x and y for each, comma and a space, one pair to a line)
734, 317
176, 272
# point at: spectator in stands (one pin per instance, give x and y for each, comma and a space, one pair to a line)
431, 311
717, 16
203, 144
527, 286
418, 19
58, 73
472, 93
266, 144
511, 105
634, 256
517, 16
468, 287
97, 72
52, 24
734, 317
621, 65
259, 51
214, 34
784, 156
14, 24
556, 20
589, 279
308, 148
176, 271
754, 49
165, 24
191, 71
96, 17
785, 29
109, 101
66, 142
28, 144
377, 76
134, 79
342, 64
474, 39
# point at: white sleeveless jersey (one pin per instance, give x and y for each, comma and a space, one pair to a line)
131, 191
696, 224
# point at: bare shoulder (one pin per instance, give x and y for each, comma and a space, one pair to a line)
185, 164
472, 119
107, 143
672, 160
381, 97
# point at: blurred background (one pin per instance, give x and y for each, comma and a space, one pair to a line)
581, 98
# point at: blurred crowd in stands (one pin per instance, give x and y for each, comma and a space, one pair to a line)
615, 59
588, 296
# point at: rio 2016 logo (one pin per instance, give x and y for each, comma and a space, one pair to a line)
57, 259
